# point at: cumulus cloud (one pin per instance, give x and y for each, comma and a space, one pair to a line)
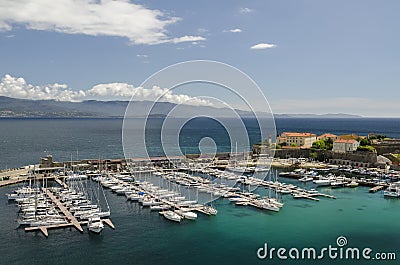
245, 10
186, 39
19, 88
120, 18
123, 90
233, 30
262, 46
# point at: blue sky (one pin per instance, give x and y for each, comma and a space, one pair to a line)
323, 56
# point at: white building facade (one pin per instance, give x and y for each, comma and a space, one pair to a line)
344, 146
298, 139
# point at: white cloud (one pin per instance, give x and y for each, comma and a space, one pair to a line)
123, 90
262, 46
142, 55
186, 39
19, 88
121, 18
233, 30
245, 10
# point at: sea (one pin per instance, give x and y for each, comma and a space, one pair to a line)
360, 219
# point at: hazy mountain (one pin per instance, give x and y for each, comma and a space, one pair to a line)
12, 107
325, 116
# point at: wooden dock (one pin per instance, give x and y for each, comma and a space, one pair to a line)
324, 195
61, 183
108, 222
44, 229
303, 195
65, 211
376, 189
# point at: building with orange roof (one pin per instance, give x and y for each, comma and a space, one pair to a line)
297, 139
345, 145
348, 136
326, 136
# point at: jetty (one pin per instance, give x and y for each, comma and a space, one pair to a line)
376, 189
44, 229
65, 211
10, 177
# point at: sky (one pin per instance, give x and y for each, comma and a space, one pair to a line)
307, 56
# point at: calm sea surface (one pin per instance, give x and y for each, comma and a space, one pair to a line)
231, 237
24, 141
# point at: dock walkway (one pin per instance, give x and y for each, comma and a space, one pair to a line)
65, 211
376, 188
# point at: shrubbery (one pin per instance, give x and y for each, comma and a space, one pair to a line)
367, 148
323, 144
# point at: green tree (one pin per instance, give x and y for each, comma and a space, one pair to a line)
329, 143
365, 142
377, 136
313, 155
320, 144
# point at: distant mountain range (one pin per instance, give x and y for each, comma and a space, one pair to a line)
325, 116
13, 107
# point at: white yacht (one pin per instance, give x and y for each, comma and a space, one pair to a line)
306, 179
393, 190
313, 191
211, 210
337, 184
269, 206
238, 199
95, 224
159, 207
352, 184
170, 215
322, 182
187, 214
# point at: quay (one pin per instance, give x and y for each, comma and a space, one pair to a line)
65, 211
376, 189
44, 229
61, 183
10, 177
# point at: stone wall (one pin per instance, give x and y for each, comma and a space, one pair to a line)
387, 146
366, 158
293, 153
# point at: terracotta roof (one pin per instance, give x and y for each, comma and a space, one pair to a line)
350, 141
348, 136
296, 134
327, 135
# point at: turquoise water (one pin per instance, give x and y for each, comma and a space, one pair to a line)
231, 237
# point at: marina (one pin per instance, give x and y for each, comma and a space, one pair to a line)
43, 208
144, 236
199, 132
175, 193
